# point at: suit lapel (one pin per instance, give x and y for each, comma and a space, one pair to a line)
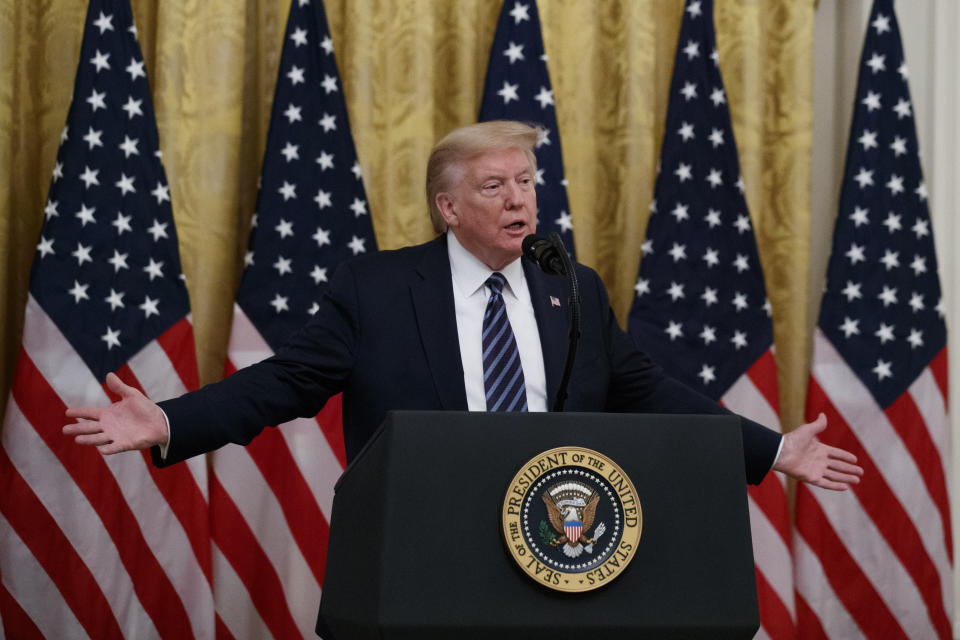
432, 294
549, 297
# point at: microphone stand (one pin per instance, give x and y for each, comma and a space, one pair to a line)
573, 288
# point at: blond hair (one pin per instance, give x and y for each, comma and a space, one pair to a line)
448, 156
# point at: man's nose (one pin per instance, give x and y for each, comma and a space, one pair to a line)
512, 196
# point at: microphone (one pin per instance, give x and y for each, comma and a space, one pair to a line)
544, 253
552, 257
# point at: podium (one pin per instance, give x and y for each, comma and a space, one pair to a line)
416, 549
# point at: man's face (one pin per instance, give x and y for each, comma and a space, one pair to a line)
493, 207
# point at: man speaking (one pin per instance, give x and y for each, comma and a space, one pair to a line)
459, 323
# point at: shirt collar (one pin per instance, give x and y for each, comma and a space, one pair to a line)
470, 274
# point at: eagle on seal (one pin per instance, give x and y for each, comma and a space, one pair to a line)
571, 509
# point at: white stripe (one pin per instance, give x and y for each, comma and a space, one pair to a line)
236, 609
259, 507
159, 525
812, 586
885, 448
246, 346
869, 549
76, 518
63, 369
772, 556
315, 459
33, 589
160, 381
761, 634
744, 398
930, 402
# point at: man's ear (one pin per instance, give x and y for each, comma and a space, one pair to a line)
448, 208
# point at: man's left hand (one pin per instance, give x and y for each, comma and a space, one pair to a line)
807, 459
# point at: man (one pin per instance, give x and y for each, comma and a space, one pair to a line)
458, 323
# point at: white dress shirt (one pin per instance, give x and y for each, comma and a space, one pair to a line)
470, 299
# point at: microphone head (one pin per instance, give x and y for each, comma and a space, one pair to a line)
544, 253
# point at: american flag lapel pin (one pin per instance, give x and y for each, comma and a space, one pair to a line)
554, 301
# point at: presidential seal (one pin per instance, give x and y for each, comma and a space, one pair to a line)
571, 519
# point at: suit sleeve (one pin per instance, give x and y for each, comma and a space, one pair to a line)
311, 367
638, 384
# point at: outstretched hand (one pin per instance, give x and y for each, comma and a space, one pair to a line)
807, 459
133, 422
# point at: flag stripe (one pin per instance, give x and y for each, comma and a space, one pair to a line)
831, 610
777, 622
95, 478
34, 526
16, 623
904, 415
851, 586
258, 505
875, 441
239, 545
272, 456
768, 547
177, 342
939, 368
883, 511
763, 374
238, 616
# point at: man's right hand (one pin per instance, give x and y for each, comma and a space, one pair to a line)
133, 422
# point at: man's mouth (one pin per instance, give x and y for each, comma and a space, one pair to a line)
516, 225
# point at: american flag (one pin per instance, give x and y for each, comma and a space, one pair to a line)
518, 88
94, 546
271, 500
701, 309
877, 561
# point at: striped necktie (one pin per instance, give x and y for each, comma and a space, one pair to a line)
502, 372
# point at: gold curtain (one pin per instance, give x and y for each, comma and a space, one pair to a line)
411, 71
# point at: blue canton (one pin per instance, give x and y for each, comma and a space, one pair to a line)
518, 88
311, 209
107, 267
700, 309
882, 308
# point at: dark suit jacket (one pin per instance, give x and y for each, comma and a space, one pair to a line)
386, 336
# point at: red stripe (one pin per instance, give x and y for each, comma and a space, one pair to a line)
177, 343
16, 623
938, 366
307, 524
774, 615
848, 581
886, 512
763, 374
45, 411
330, 420
771, 498
906, 419
179, 488
220, 630
53, 551
807, 621
241, 549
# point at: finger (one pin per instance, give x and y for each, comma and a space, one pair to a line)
115, 384
843, 467
87, 413
846, 478
79, 428
841, 454
111, 448
832, 486
95, 439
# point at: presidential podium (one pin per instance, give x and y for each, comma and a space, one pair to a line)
416, 549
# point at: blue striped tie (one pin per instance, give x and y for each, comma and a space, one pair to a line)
502, 373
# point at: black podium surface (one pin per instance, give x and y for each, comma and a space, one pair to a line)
416, 549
